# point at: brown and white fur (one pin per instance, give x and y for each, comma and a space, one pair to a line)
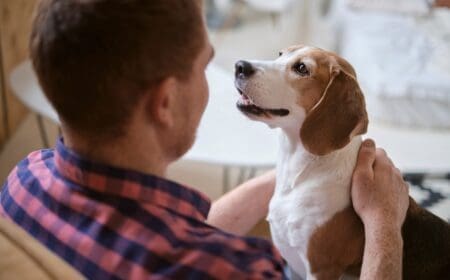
314, 97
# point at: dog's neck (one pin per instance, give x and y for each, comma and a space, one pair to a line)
296, 165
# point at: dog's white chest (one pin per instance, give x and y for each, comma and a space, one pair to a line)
306, 199
295, 215
298, 212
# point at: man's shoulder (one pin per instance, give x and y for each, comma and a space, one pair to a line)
34, 164
34, 158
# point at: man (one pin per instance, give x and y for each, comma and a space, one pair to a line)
127, 80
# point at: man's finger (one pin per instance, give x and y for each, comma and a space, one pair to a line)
381, 152
382, 160
366, 159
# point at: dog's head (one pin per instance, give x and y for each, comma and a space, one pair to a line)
307, 89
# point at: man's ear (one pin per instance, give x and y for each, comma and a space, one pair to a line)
161, 101
339, 115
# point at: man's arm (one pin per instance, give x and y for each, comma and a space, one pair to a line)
382, 254
380, 197
239, 210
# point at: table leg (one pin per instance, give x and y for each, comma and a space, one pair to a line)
245, 173
42, 131
241, 177
226, 179
252, 172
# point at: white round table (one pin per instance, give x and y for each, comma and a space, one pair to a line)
26, 88
227, 137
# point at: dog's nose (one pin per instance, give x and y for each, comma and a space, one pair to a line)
244, 69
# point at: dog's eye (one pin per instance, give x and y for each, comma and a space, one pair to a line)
280, 53
301, 69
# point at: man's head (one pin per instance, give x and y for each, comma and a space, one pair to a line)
98, 60
307, 90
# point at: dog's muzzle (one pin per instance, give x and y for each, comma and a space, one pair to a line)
243, 71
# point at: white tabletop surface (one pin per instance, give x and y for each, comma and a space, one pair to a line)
25, 86
225, 136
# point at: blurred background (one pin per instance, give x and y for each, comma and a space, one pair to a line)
400, 50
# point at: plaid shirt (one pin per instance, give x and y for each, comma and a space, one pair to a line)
111, 223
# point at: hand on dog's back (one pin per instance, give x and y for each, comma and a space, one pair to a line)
379, 194
380, 198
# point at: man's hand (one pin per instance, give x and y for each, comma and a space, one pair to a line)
380, 198
379, 194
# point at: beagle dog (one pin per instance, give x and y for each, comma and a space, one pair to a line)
313, 96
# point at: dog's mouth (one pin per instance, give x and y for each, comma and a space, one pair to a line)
246, 105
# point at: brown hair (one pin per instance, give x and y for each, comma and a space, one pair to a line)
95, 58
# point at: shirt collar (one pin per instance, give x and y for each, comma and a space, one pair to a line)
129, 184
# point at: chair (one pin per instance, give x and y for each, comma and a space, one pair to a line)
24, 258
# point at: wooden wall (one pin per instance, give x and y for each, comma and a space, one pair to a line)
15, 26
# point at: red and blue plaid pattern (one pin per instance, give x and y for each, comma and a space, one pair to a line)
111, 223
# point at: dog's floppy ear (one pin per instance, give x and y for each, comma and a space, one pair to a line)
339, 115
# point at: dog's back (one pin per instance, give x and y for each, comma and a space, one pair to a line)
426, 243
426, 246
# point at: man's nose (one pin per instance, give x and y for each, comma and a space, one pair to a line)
244, 69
